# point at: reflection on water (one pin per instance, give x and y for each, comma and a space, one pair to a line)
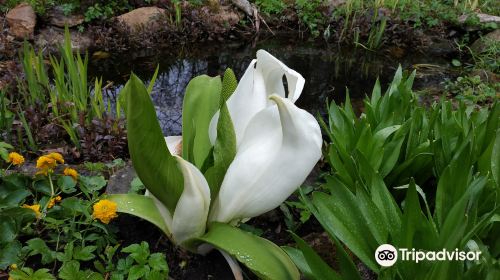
327, 72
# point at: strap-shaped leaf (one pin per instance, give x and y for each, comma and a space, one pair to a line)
201, 102
261, 256
154, 164
140, 206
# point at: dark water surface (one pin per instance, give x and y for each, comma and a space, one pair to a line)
327, 70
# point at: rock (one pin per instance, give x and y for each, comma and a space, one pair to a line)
141, 17
22, 21
483, 18
59, 19
52, 38
120, 181
481, 44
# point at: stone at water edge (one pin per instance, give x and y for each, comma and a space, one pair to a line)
483, 18
22, 21
52, 38
481, 44
141, 17
59, 19
120, 181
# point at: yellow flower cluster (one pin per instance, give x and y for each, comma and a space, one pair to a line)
53, 201
71, 172
47, 163
105, 210
15, 158
35, 208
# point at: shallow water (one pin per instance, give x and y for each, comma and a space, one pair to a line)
327, 70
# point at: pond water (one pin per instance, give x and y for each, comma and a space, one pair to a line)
327, 70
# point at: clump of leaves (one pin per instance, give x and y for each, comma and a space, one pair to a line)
473, 89
413, 177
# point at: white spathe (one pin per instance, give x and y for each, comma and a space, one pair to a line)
278, 146
263, 77
279, 149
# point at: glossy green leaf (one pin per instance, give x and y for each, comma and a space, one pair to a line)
319, 269
201, 102
261, 256
154, 164
341, 217
348, 269
411, 217
300, 261
140, 206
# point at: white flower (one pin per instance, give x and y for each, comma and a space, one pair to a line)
278, 145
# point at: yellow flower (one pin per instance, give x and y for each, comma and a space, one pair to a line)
53, 201
35, 208
46, 163
15, 158
71, 172
105, 211
13, 266
57, 157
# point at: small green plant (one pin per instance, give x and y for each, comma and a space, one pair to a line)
473, 89
178, 13
271, 7
310, 15
140, 263
58, 222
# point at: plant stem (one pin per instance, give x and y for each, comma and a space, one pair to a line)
51, 186
233, 264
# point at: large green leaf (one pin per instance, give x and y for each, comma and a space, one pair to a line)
261, 256
140, 206
154, 164
201, 102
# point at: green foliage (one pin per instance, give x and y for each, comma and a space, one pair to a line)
310, 14
224, 149
68, 86
152, 160
101, 10
201, 102
141, 206
473, 89
62, 234
27, 273
261, 256
97, 10
445, 160
271, 7
67, 223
